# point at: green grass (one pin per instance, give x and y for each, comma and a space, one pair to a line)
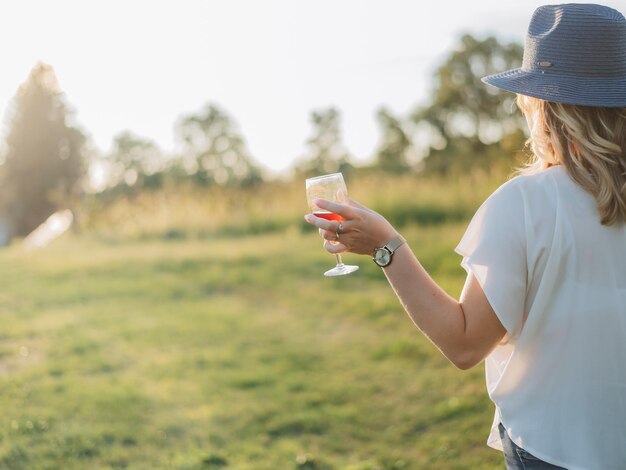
227, 353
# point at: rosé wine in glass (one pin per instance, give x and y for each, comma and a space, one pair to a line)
331, 187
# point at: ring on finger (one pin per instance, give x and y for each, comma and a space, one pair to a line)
340, 229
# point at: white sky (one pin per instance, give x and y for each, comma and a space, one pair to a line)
140, 64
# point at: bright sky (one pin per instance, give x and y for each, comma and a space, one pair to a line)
140, 64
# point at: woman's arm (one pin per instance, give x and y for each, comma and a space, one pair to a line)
465, 331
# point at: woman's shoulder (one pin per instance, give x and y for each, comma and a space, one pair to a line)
551, 174
528, 196
533, 186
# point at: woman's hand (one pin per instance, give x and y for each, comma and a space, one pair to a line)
363, 229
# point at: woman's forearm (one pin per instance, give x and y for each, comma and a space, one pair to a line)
438, 315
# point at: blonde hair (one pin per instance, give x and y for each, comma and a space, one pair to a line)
590, 142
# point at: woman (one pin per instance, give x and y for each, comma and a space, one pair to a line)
544, 303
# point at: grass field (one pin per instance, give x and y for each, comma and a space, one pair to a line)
193, 329
227, 353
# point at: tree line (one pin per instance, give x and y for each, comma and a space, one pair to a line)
46, 159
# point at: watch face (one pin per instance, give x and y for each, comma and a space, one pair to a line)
382, 257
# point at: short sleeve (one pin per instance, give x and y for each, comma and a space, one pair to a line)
494, 250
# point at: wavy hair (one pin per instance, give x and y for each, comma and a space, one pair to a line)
590, 142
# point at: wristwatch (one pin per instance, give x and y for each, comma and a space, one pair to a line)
382, 256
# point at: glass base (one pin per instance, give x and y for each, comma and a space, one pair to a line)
340, 270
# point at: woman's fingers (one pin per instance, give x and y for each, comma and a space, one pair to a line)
322, 224
334, 247
342, 209
334, 226
328, 235
332, 241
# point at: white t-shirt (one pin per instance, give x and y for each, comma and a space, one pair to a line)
556, 279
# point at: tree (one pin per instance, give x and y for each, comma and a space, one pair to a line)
467, 118
135, 161
326, 153
396, 153
214, 151
43, 161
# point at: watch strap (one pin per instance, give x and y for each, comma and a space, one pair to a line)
395, 243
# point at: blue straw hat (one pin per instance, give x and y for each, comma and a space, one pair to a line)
575, 54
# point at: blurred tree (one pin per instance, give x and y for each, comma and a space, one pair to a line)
326, 153
135, 162
43, 161
396, 153
214, 151
468, 119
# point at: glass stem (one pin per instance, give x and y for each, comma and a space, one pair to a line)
339, 261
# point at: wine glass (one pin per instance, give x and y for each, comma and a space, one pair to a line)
332, 188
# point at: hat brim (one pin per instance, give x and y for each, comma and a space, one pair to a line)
602, 92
